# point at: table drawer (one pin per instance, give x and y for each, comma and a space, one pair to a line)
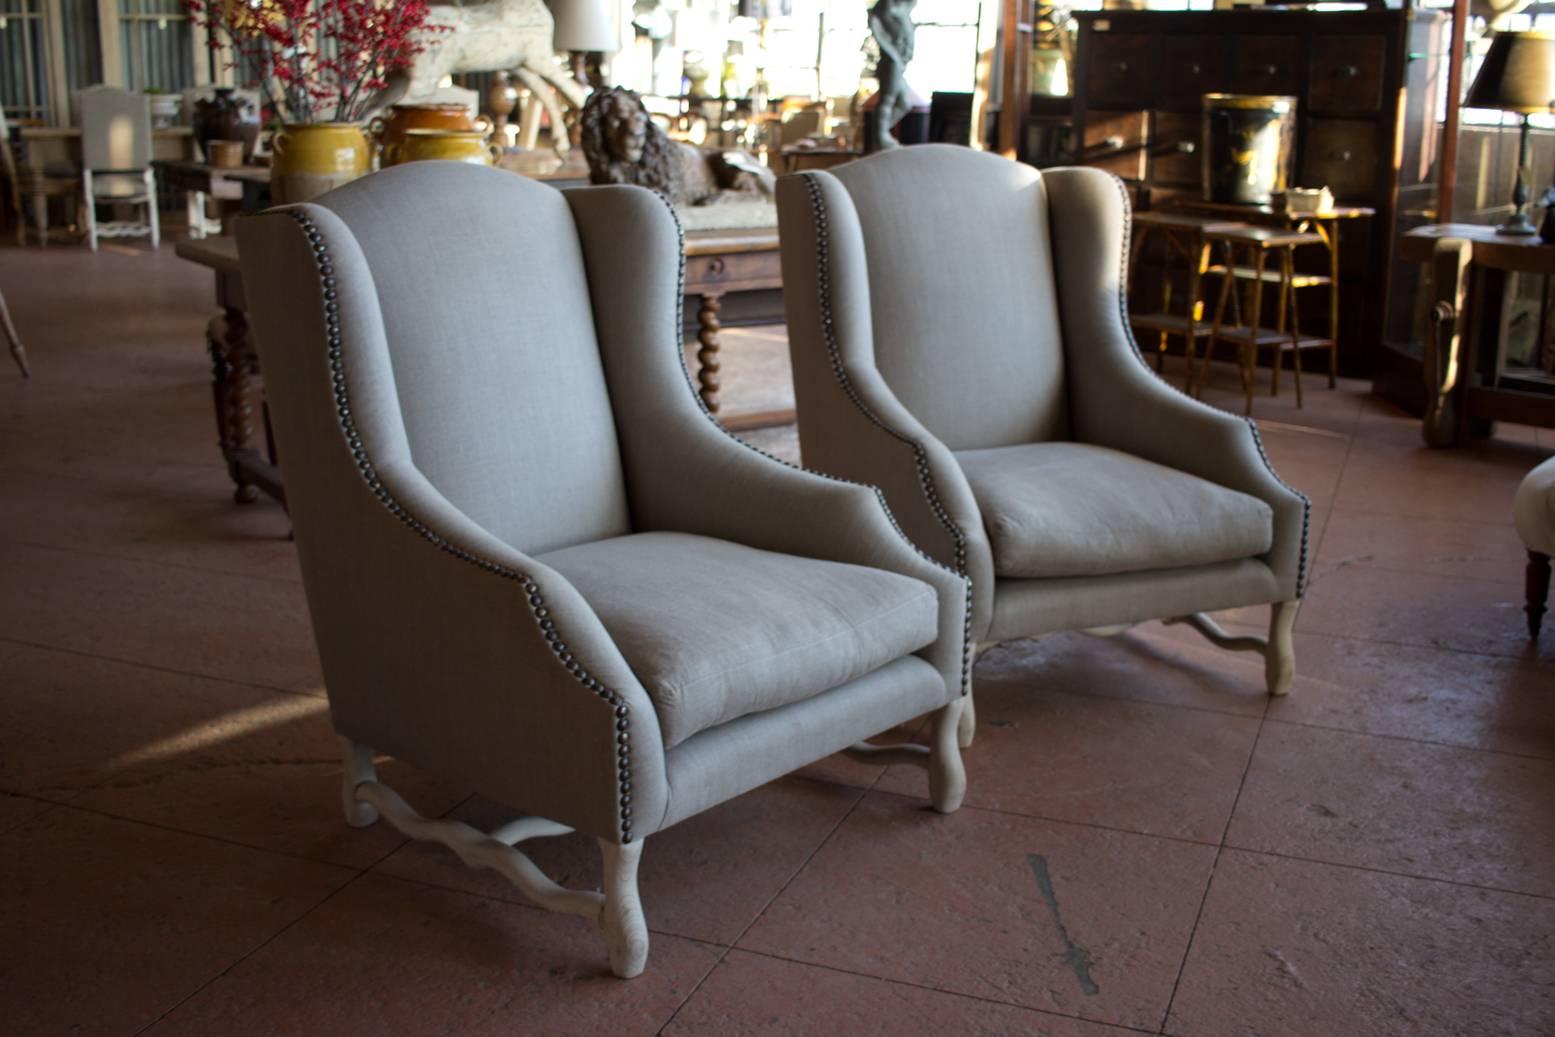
733, 271
1174, 148
1114, 141
1191, 66
1347, 73
1266, 64
1121, 69
1342, 155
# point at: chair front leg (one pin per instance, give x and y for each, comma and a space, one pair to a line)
1280, 657
91, 208
618, 910
626, 931
941, 757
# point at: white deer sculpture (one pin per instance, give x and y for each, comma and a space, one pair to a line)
494, 36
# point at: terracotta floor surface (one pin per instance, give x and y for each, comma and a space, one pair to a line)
1148, 844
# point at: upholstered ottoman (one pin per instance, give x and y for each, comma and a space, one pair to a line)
1533, 512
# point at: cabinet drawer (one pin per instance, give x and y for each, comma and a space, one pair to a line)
1266, 64
1114, 141
1346, 73
1174, 148
1121, 68
1191, 66
1343, 155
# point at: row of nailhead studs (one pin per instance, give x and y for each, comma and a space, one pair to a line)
680, 236
1128, 329
920, 455
537, 604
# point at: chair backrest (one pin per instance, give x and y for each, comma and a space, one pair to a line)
486, 347
962, 294
115, 129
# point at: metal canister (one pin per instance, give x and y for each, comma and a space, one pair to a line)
1247, 146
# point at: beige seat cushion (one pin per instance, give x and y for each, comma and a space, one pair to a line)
1071, 509
715, 630
1533, 509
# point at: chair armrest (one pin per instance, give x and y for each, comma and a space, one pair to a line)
514, 652
684, 471
1117, 401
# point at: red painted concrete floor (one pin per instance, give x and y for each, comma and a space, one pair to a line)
1148, 845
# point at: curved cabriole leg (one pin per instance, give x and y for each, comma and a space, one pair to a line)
359, 770
618, 910
1280, 657
947, 776
1278, 649
941, 758
966, 727
621, 916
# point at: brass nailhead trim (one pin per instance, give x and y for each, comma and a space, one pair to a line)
536, 602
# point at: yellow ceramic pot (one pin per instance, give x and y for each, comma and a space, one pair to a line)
310, 160
390, 129
448, 146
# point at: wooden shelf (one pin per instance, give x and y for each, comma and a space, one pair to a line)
1170, 323
1247, 273
1270, 337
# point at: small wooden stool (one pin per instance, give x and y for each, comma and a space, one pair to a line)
1185, 238
1255, 245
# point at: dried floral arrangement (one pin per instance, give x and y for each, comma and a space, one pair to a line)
317, 60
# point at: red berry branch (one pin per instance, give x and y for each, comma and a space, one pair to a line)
316, 60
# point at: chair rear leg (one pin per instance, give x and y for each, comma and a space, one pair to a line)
1538, 590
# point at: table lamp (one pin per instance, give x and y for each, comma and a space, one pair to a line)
586, 30
1518, 76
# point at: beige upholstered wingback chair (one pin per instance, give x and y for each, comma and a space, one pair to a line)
959, 338
535, 565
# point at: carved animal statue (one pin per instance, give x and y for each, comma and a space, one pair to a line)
494, 36
625, 146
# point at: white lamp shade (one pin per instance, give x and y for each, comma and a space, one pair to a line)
585, 25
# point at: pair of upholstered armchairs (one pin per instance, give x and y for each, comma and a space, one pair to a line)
536, 565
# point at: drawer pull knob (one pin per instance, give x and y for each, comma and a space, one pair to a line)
1270, 70
1350, 71
1195, 69
1186, 147
1123, 66
715, 265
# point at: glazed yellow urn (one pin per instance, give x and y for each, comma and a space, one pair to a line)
422, 145
312, 159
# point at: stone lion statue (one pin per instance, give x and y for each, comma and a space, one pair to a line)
625, 146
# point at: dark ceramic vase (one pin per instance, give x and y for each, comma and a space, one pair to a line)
226, 116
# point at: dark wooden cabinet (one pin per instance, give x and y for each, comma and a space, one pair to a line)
1365, 84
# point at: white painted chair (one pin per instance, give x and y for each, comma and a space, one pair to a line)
116, 162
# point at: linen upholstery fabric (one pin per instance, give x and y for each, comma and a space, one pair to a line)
854, 424
1533, 509
975, 375
716, 630
515, 345
447, 643
1072, 509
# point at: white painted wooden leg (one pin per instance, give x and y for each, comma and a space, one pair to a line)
358, 769
621, 917
1280, 658
966, 727
947, 776
91, 208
